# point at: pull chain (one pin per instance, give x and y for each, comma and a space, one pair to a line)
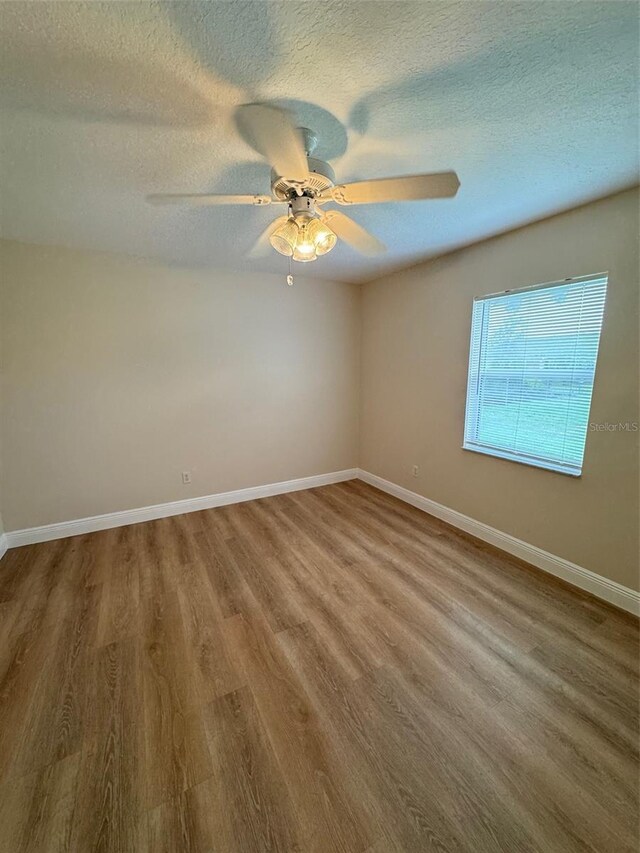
290, 276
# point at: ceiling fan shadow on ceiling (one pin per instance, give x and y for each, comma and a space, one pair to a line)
307, 231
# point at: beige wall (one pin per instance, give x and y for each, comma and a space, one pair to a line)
416, 327
118, 375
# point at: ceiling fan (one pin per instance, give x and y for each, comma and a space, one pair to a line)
305, 185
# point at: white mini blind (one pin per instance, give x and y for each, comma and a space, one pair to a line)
531, 369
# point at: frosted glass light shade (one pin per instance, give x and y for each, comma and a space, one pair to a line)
305, 249
323, 237
284, 238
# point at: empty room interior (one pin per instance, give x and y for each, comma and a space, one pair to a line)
319, 427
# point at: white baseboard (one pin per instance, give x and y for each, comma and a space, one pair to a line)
614, 593
31, 535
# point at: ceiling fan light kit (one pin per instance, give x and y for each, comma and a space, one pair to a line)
304, 236
305, 184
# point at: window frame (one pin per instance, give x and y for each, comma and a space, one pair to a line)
529, 459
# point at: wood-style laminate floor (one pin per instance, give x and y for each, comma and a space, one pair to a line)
329, 670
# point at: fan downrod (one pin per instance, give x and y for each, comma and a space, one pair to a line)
309, 140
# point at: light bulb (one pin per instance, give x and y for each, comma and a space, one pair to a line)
305, 247
303, 257
284, 237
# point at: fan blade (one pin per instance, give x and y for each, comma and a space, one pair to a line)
407, 188
352, 233
262, 245
206, 200
271, 132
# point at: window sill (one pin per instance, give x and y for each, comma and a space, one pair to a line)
524, 460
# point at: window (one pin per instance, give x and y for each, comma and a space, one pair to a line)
531, 369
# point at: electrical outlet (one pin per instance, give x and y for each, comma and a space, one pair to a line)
186, 477
415, 470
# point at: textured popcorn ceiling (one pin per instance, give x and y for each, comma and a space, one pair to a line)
533, 104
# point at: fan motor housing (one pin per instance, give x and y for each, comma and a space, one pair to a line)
321, 177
